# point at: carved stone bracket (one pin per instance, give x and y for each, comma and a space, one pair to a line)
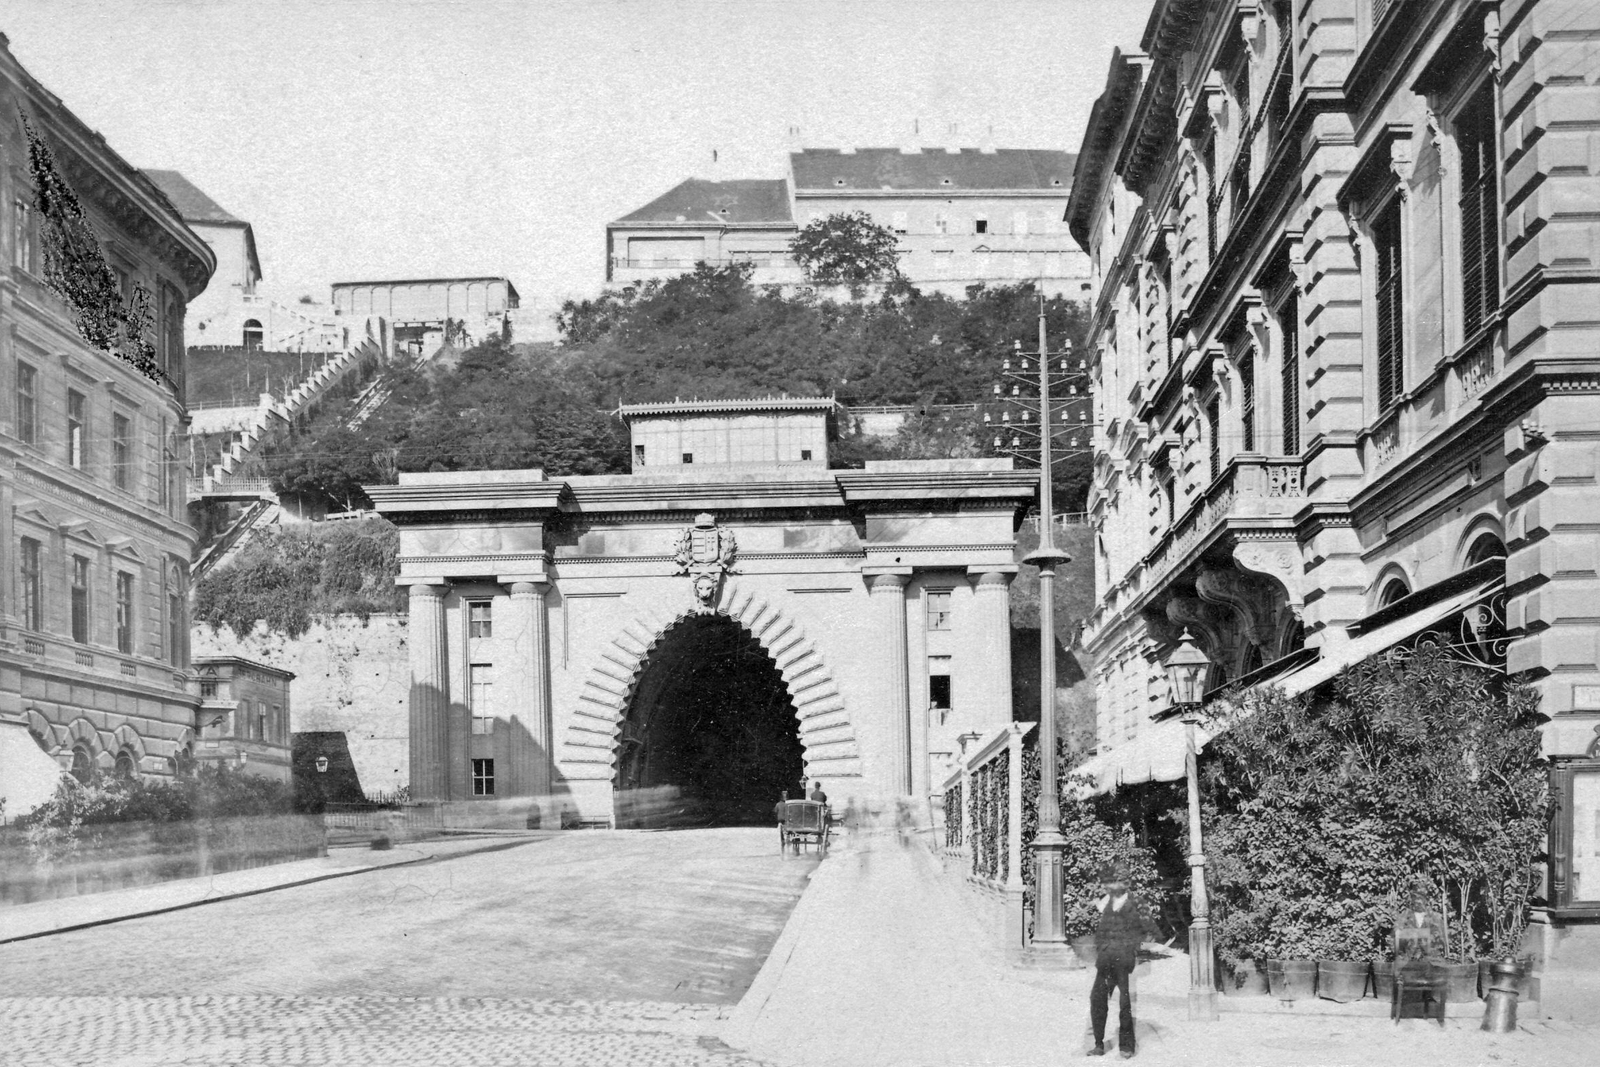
1280, 561
1253, 601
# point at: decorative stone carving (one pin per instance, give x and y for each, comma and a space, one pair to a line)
1251, 600
1278, 560
706, 552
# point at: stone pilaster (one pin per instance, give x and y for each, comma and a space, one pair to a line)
430, 694
889, 608
991, 606
529, 677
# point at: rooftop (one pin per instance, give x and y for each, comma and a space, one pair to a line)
1046, 170
743, 202
511, 290
192, 203
724, 407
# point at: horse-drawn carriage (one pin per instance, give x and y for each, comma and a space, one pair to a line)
804, 822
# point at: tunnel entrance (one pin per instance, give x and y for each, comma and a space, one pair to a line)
710, 737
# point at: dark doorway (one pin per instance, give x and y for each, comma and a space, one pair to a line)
710, 737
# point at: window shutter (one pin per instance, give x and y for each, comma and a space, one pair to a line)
1291, 377
1480, 234
1391, 327
1247, 398
1214, 432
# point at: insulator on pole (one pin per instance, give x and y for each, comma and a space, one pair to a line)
1005, 416
1016, 442
1027, 416
1016, 390
996, 388
997, 442
1005, 364
1083, 416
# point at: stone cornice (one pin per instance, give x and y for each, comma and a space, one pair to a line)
493, 496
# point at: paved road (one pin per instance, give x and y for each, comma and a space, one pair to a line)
588, 948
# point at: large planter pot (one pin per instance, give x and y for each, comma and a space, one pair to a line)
1460, 981
1292, 979
1246, 980
1383, 979
1342, 980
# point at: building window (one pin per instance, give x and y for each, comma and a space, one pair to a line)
638, 455
80, 599
121, 450
208, 689
1393, 590
261, 722
175, 626
980, 225
77, 407
252, 335
82, 765
125, 612
805, 454
1480, 230
1208, 155
1289, 322
688, 457
1240, 178
1391, 327
483, 777
1169, 488
939, 687
126, 770
1247, 401
938, 609
23, 245
279, 726
941, 223
32, 585
1214, 433
941, 264
27, 404
480, 618
899, 223
480, 691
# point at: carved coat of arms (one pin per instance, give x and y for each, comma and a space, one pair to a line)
705, 552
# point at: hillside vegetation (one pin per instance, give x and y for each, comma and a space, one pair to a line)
708, 334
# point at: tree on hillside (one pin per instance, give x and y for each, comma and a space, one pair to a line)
846, 248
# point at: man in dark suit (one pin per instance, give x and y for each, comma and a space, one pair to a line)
1121, 928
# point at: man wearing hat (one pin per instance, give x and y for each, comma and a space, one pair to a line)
1121, 928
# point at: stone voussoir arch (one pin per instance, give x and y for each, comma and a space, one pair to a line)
827, 734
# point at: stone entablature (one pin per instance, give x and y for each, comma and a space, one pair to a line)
829, 571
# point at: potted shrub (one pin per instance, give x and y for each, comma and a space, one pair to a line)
1383, 977
1340, 978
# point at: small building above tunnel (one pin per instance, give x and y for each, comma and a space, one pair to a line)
773, 430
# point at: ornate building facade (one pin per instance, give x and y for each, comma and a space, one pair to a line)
1346, 355
95, 544
569, 638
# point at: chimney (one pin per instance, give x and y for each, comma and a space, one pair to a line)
986, 146
952, 139
914, 145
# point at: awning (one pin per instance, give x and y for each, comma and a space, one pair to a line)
1157, 754
1336, 658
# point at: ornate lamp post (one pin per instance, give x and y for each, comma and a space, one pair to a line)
1186, 670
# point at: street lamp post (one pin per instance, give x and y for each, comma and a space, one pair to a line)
1186, 670
1019, 439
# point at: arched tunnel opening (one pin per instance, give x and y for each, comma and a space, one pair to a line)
710, 737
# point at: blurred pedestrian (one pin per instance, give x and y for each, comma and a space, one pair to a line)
817, 794
1120, 929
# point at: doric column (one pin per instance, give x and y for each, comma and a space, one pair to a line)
889, 609
990, 654
530, 681
430, 695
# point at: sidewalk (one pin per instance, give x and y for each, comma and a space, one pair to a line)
46, 917
885, 962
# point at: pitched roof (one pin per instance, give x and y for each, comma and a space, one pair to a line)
746, 201
932, 169
192, 204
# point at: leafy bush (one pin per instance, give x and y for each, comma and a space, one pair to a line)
1321, 813
285, 575
1094, 839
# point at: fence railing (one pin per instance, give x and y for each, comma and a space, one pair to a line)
982, 832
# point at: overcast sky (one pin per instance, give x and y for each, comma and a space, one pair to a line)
405, 138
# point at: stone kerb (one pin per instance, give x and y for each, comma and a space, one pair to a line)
827, 734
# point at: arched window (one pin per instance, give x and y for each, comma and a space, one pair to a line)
253, 335
1393, 589
82, 765
127, 770
1486, 546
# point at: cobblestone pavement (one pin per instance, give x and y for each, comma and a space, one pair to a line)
686, 916
217, 1031
588, 949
